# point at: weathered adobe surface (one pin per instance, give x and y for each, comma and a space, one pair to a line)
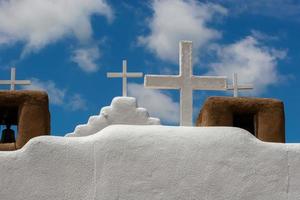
33, 115
269, 114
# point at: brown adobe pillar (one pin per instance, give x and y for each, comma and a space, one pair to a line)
29, 111
262, 117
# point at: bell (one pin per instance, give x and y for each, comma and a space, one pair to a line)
8, 135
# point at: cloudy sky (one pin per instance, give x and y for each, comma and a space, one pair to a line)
66, 47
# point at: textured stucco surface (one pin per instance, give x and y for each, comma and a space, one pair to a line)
152, 162
123, 110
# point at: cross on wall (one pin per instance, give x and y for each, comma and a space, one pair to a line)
235, 87
124, 75
186, 82
13, 82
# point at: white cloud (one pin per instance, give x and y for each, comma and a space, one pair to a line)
158, 104
40, 22
86, 58
175, 20
254, 63
57, 96
76, 102
263, 36
283, 9
4, 39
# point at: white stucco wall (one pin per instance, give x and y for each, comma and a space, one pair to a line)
152, 162
123, 110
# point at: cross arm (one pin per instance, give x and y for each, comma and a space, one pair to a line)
5, 82
162, 82
209, 82
114, 75
22, 82
17, 82
134, 75
241, 87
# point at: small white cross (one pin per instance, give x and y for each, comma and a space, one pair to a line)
186, 82
13, 82
235, 87
124, 75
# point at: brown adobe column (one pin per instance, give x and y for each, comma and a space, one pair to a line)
264, 114
271, 122
34, 120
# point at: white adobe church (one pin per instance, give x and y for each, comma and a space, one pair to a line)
123, 153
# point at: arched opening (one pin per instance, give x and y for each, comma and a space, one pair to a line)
9, 124
247, 121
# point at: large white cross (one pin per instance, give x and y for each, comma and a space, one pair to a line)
186, 82
13, 82
124, 75
235, 87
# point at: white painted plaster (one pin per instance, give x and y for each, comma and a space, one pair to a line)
152, 162
123, 110
186, 82
13, 82
124, 75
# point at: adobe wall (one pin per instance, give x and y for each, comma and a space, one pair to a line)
33, 115
219, 111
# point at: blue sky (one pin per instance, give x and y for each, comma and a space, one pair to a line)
67, 46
